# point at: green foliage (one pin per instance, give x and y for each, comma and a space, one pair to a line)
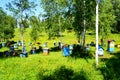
21, 10
82, 18
8, 23
35, 25
116, 7
109, 67
106, 18
54, 11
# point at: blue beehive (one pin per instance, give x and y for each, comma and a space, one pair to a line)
71, 49
111, 45
66, 51
100, 51
3, 44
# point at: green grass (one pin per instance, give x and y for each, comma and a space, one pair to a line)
57, 67
38, 66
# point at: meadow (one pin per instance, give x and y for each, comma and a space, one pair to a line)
57, 67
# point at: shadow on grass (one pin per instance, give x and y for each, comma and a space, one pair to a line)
90, 33
56, 36
39, 50
2, 54
62, 73
54, 49
111, 69
78, 52
15, 54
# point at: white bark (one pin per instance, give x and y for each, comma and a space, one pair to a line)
96, 34
22, 36
60, 32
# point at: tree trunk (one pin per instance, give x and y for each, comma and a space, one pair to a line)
22, 43
60, 32
96, 34
84, 30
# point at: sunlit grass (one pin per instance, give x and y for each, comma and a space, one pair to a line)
28, 68
39, 65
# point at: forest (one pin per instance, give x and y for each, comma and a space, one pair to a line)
70, 22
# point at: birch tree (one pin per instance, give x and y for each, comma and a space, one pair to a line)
21, 10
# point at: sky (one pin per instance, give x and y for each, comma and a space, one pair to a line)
37, 12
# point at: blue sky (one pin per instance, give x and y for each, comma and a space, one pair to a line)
37, 12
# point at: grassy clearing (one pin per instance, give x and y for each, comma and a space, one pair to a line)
56, 67
38, 67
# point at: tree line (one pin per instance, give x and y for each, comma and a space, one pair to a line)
61, 15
